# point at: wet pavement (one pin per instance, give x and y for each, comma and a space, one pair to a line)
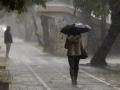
29, 68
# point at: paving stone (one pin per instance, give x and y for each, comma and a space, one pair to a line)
48, 71
24, 87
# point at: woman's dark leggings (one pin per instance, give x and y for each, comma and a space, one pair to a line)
74, 66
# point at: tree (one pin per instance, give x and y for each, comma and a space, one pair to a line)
99, 8
19, 5
46, 36
36, 27
101, 54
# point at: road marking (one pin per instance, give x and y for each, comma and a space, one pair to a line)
92, 76
48, 88
36, 76
102, 81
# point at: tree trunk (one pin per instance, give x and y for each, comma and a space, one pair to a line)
75, 10
103, 27
44, 23
100, 56
36, 30
103, 21
99, 59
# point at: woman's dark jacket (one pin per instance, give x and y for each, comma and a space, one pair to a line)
7, 37
72, 45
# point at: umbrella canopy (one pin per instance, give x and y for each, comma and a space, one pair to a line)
75, 29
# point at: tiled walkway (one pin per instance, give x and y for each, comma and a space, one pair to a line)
28, 68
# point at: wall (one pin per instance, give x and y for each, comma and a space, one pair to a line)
58, 20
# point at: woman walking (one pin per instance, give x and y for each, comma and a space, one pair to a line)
73, 46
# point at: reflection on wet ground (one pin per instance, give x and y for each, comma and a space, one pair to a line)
16, 77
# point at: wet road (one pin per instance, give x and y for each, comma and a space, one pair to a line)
32, 69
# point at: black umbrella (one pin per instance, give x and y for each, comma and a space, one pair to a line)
75, 29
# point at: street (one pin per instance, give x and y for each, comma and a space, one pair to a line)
33, 69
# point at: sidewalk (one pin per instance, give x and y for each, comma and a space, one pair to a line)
108, 75
32, 69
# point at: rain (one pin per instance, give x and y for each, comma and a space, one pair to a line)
33, 50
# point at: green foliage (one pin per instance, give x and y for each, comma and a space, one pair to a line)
97, 7
20, 5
